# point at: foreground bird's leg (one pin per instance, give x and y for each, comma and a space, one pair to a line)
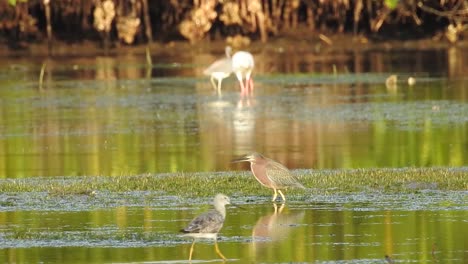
218, 251
282, 196
274, 195
191, 250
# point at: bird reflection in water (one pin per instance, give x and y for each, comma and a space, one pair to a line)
265, 224
275, 226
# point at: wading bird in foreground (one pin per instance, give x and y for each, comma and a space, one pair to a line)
208, 224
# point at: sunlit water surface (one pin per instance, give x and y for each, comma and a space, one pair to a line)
363, 228
114, 116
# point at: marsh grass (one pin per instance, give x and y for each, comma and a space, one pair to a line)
243, 183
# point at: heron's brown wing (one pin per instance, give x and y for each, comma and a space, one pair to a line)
281, 176
209, 222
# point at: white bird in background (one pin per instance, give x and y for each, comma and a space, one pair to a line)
220, 69
242, 66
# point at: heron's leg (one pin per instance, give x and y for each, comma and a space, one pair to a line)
274, 195
213, 82
191, 250
282, 195
218, 251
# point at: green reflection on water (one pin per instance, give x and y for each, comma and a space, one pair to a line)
298, 233
98, 116
154, 127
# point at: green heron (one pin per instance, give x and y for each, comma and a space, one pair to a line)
242, 66
220, 69
271, 174
208, 224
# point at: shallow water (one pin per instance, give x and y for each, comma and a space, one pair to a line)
356, 228
113, 116
109, 116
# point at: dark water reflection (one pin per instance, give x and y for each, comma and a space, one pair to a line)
313, 232
112, 116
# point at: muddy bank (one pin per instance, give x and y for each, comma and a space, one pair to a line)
295, 42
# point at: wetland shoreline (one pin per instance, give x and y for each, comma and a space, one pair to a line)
296, 42
141, 214
203, 184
